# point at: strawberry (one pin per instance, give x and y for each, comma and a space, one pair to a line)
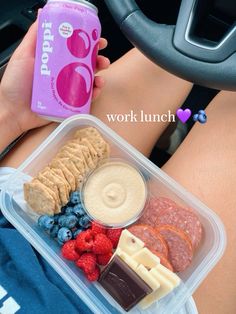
97, 229
114, 236
69, 251
94, 275
103, 259
84, 241
87, 262
101, 244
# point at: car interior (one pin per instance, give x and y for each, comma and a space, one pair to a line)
213, 23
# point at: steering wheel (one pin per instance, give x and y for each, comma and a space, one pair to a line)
175, 49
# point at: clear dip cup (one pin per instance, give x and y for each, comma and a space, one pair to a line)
142, 205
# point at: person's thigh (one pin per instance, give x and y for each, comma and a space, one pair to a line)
205, 164
132, 83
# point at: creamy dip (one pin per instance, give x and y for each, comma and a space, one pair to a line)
115, 194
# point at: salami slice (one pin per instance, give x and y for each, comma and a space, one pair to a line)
154, 208
179, 247
184, 219
152, 239
164, 261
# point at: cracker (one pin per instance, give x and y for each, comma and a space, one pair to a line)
38, 198
96, 154
62, 180
51, 193
50, 186
79, 161
91, 148
88, 157
70, 165
63, 192
60, 174
85, 142
82, 152
57, 164
79, 149
95, 138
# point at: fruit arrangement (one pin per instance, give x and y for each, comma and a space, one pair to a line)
92, 248
86, 243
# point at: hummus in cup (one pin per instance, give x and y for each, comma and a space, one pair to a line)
115, 194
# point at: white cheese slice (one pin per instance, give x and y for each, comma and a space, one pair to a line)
127, 259
144, 274
172, 277
165, 288
129, 243
146, 258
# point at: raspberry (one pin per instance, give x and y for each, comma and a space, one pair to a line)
103, 259
84, 241
97, 229
94, 275
69, 252
87, 262
114, 236
101, 244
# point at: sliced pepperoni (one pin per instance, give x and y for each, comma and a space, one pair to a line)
183, 219
164, 261
179, 247
154, 208
151, 238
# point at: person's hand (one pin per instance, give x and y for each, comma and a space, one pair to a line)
16, 85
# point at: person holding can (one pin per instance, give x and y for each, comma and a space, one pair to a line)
204, 164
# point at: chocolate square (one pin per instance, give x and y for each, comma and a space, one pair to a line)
123, 284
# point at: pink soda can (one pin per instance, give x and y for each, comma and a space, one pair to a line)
65, 61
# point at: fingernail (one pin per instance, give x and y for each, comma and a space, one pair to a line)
108, 61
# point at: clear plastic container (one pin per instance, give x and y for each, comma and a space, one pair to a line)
98, 300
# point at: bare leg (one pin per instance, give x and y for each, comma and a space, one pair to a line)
133, 83
206, 165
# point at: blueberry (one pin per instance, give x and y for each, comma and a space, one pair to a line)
202, 118
76, 232
41, 221
202, 112
64, 235
62, 220
75, 198
56, 218
195, 117
85, 222
54, 231
69, 210
60, 242
46, 222
70, 221
78, 210
63, 209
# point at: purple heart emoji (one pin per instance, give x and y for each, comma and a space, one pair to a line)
184, 115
